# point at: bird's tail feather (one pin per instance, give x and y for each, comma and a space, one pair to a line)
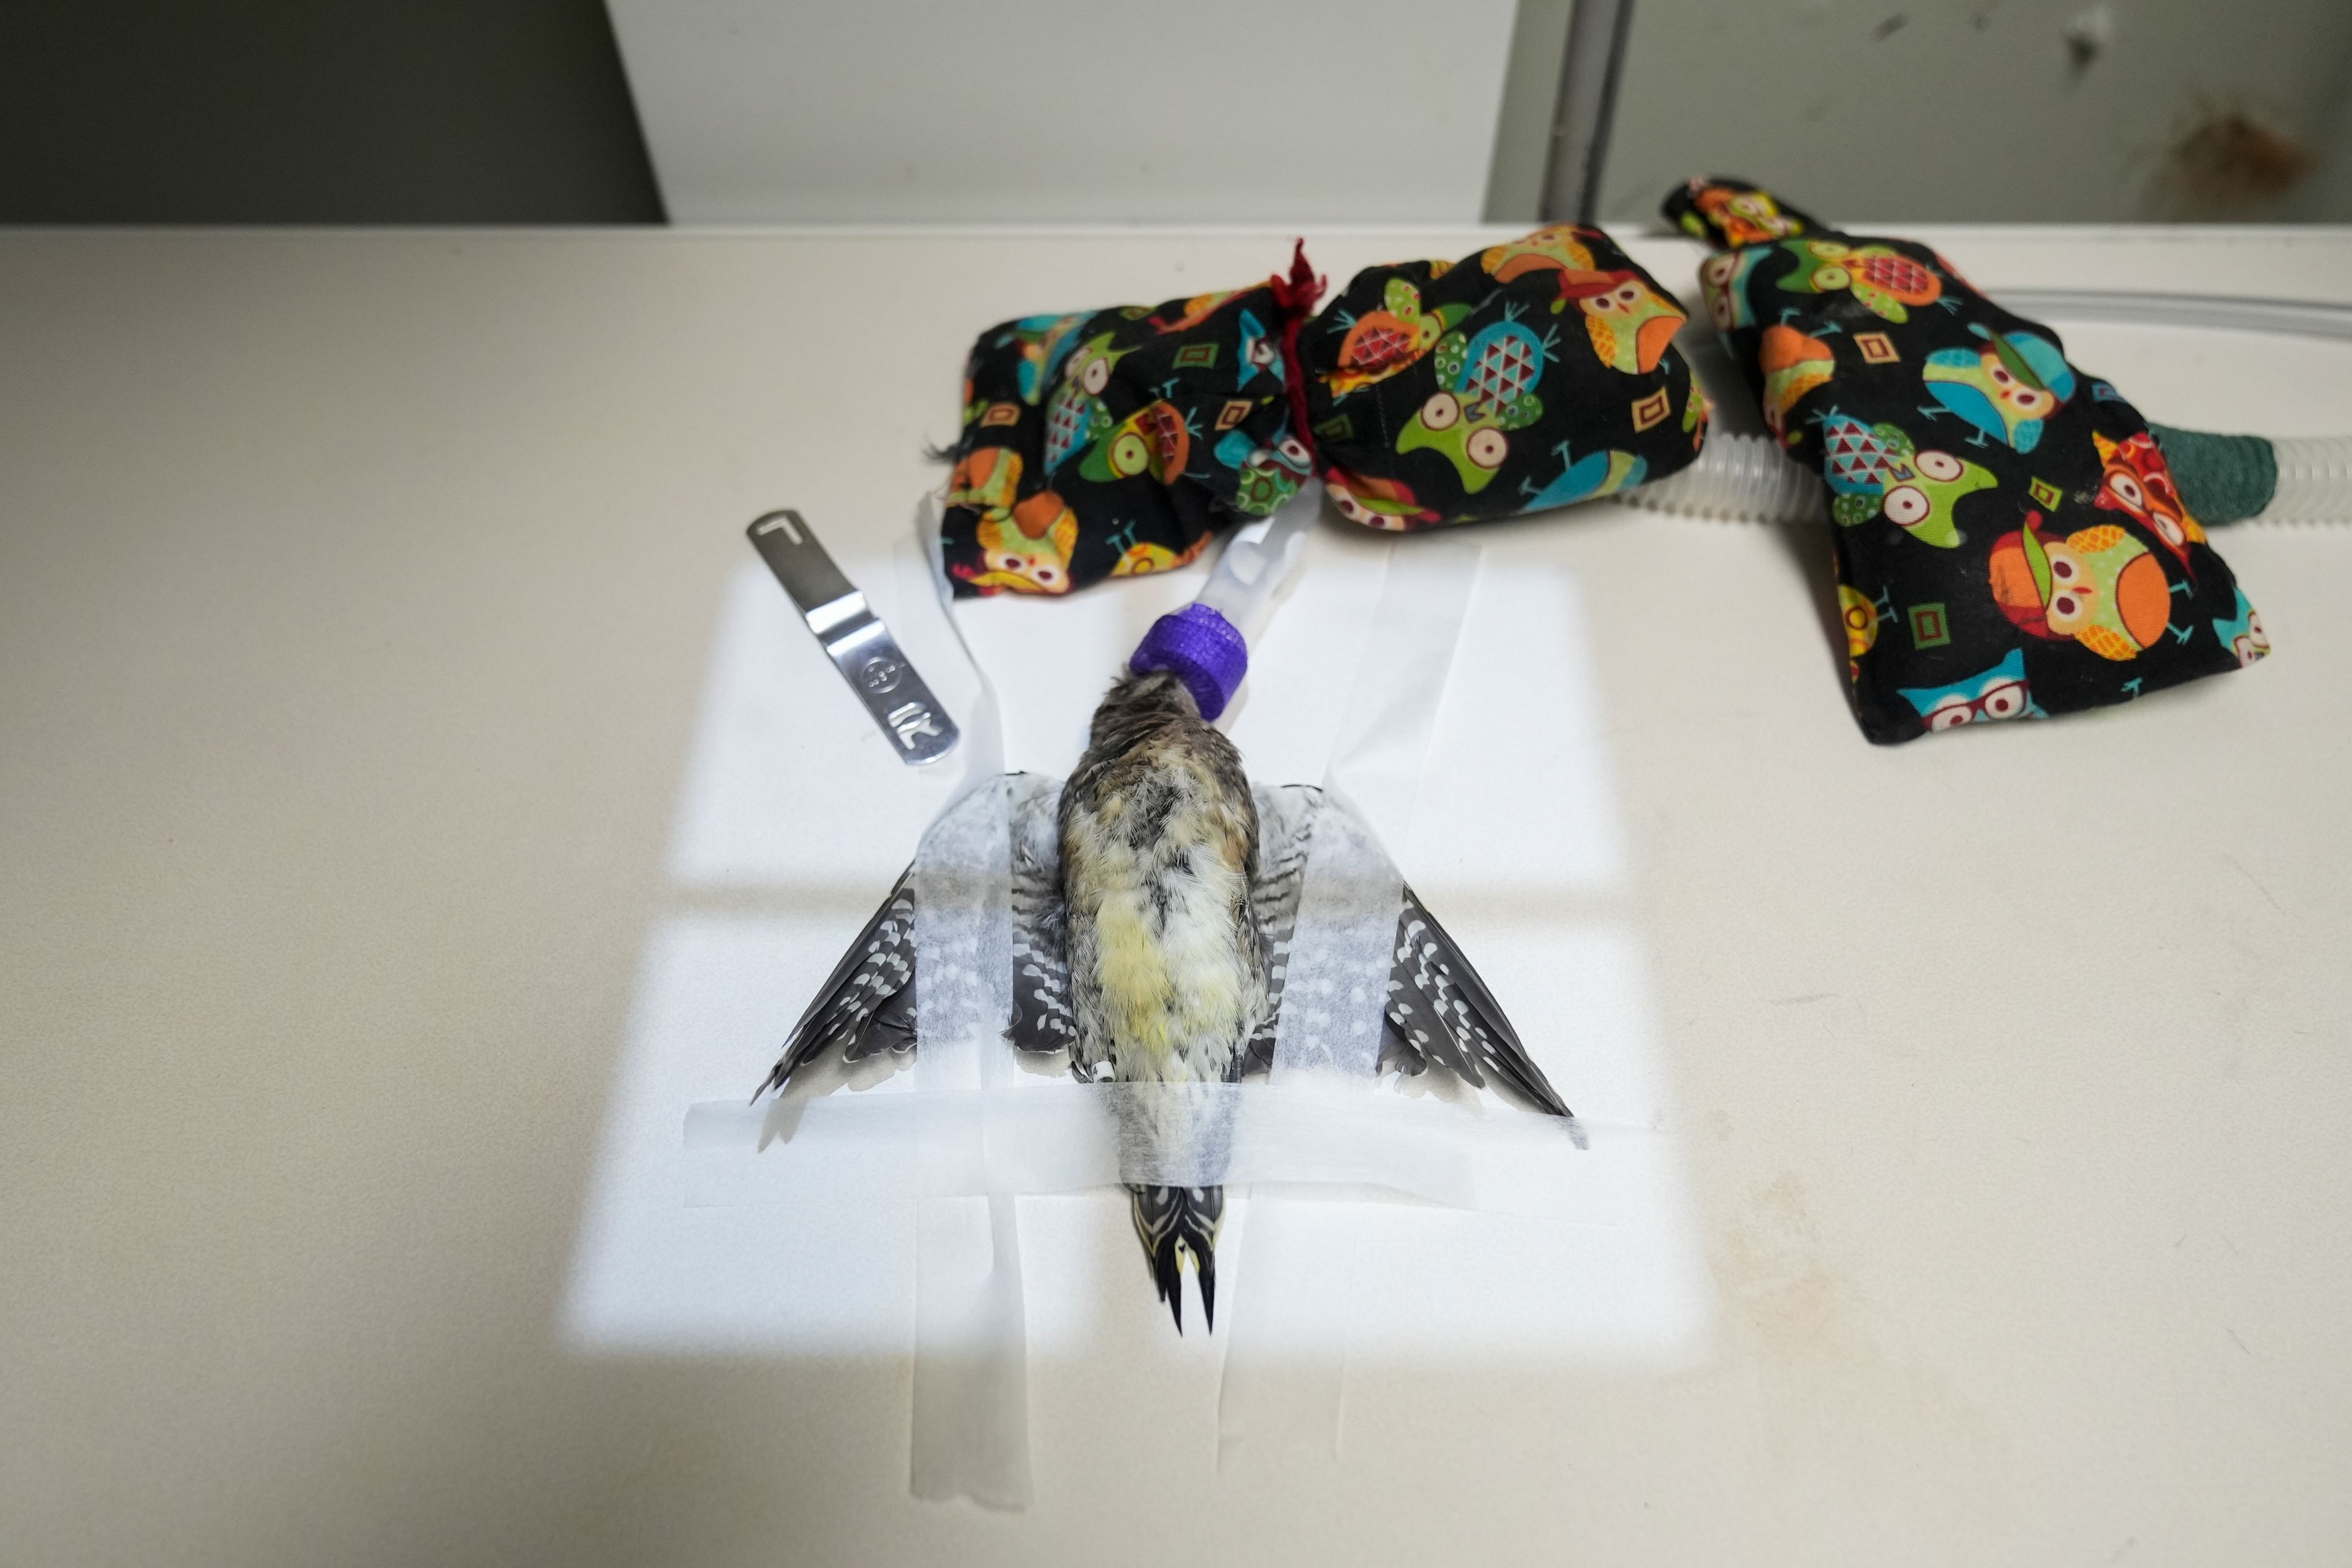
1173, 1223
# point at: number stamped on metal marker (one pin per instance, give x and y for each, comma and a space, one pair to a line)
853, 637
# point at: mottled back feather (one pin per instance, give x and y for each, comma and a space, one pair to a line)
1040, 965
1160, 855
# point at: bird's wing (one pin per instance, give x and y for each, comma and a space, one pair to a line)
867, 1003
1285, 822
1041, 963
1439, 1011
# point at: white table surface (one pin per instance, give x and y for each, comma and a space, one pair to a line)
362, 610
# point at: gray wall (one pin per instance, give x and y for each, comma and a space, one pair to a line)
1979, 110
1176, 112
2329, 194
276, 111
1181, 110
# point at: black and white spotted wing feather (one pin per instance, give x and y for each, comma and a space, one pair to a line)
1439, 1010
867, 1003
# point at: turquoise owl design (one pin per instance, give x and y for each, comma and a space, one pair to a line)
1877, 470
1597, 473
2242, 633
2006, 388
1041, 341
2000, 692
1261, 353
1486, 389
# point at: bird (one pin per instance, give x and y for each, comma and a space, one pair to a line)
1167, 975
1154, 897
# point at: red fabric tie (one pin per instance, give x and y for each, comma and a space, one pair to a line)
1296, 296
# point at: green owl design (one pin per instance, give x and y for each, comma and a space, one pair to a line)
1877, 470
1486, 389
1077, 416
1885, 282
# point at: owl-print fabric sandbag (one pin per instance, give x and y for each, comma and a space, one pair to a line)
1115, 442
2009, 541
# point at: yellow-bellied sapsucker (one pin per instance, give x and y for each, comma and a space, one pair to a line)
1168, 968
1152, 908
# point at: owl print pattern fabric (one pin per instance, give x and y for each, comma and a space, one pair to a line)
2010, 542
1111, 443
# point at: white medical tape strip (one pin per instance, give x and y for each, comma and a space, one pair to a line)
1335, 981
1336, 977
970, 1406
1336, 973
1382, 746
1284, 1371
1049, 1136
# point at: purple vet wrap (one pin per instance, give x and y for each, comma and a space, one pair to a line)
1201, 649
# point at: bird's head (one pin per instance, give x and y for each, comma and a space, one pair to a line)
1136, 703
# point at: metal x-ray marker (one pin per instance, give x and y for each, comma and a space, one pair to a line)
861, 647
